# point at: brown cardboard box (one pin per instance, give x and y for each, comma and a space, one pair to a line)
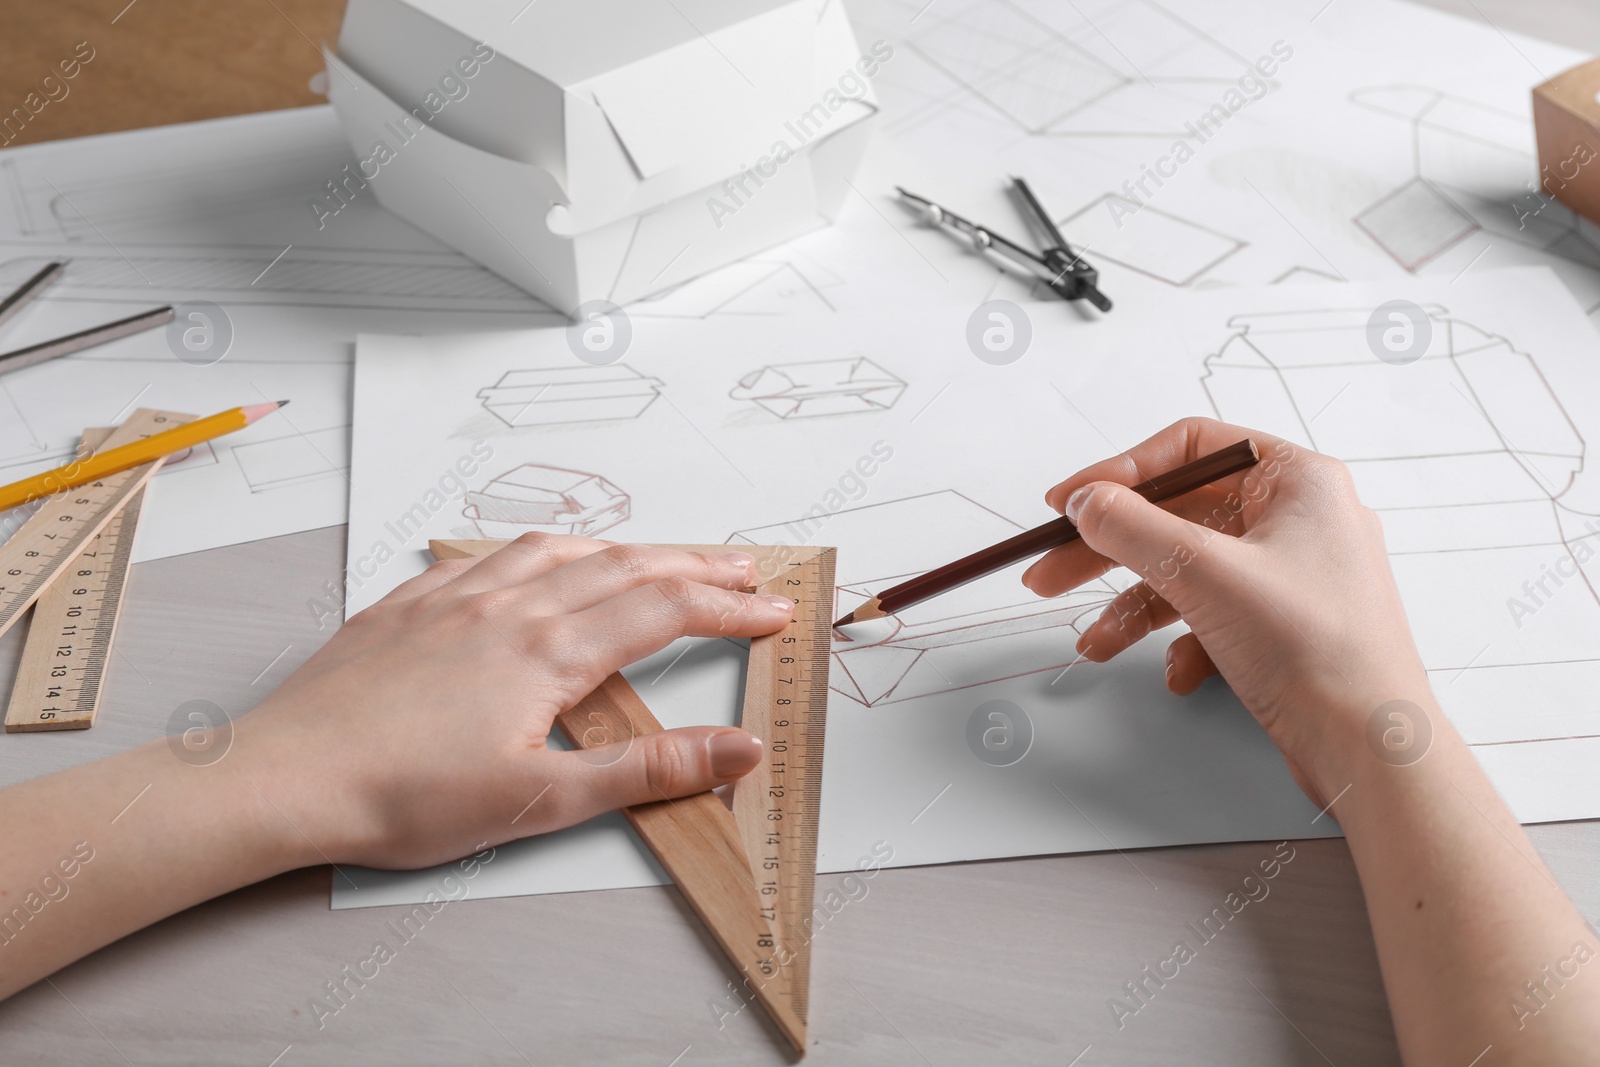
1566, 120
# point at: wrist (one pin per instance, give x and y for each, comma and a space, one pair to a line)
194, 814
1376, 741
282, 791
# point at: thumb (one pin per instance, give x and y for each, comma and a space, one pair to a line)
665, 765
1123, 526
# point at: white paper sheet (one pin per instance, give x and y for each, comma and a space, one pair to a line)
1372, 155
1475, 456
1389, 138
218, 212
1395, 141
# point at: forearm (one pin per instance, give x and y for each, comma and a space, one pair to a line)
94, 853
1465, 914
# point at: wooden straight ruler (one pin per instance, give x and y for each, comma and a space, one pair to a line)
70, 562
749, 873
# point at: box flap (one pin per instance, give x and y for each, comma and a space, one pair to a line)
455, 83
721, 97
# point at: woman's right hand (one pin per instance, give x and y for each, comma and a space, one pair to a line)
1279, 572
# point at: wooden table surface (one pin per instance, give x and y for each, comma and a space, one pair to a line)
1010, 962
157, 62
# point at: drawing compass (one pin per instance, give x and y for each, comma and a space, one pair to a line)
1066, 272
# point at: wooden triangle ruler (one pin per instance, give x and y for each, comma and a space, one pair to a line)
69, 562
749, 874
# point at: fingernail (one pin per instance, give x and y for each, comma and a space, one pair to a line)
733, 753
1085, 644
782, 603
1075, 502
743, 559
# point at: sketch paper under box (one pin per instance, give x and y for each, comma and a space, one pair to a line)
1475, 456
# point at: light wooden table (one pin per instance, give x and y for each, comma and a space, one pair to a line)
1010, 962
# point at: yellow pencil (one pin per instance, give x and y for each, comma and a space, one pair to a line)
126, 457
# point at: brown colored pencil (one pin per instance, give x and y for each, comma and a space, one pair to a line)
1053, 534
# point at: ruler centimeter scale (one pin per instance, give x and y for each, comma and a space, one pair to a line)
70, 562
748, 873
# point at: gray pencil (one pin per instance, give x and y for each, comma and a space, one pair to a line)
77, 342
30, 289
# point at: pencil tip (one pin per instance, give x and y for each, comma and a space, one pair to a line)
846, 620
283, 403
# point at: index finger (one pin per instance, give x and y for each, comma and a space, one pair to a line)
642, 621
1183, 441
1071, 565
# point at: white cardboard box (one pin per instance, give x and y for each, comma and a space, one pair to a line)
602, 149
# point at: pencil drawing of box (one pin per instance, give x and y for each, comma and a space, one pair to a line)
532, 498
1472, 459
1462, 155
987, 631
827, 387
551, 395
